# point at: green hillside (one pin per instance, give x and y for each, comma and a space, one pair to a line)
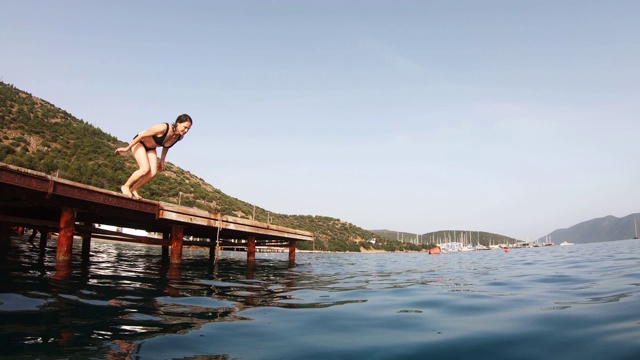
40, 136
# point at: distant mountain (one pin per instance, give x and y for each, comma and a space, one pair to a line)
607, 228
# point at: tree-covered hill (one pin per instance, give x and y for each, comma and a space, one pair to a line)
40, 136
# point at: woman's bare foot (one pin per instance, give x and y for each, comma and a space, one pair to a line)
135, 195
125, 190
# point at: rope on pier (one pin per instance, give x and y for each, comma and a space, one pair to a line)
50, 189
217, 251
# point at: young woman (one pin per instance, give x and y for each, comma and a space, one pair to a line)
144, 147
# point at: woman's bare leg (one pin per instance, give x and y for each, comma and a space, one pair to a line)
140, 154
152, 160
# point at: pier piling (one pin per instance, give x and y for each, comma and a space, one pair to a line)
65, 236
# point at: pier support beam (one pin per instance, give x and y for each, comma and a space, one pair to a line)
251, 250
174, 272
63, 270
292, 250
44, 236
5, 233
165, 249
65, 235
86, 246
177, 237
86, 243
5, 238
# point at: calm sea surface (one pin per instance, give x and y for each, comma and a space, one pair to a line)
562, 302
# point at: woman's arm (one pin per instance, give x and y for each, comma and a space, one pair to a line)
155, 130
162, 157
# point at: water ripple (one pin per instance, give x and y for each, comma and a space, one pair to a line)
129, 303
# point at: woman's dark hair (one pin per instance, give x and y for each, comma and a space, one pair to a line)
183, 118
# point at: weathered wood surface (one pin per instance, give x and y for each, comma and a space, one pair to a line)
36, 199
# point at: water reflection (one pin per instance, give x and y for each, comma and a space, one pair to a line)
129, 303
125, 294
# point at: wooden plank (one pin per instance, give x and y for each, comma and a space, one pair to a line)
145, 241
72, 190
50, 186
190, 219
232, 223
257, 224
33, 199
30, 222
264, 232
191, 214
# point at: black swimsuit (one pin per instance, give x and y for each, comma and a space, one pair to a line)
159, 140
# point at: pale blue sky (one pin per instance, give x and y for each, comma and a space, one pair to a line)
517, 117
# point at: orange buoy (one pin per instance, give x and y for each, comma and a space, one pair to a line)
434, 251
506, 249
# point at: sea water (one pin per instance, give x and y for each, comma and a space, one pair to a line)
561, 302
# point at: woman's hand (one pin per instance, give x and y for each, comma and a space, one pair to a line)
122, 149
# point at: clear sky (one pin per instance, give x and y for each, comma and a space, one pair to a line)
518, 117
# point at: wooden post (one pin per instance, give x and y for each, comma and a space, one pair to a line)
43, 238
5, 230
165, 249
251, 250
67, 337
174, 271
177, 236
20, 231
65, 235
5, 238
86, 246
32, 235
63, 270
292, 250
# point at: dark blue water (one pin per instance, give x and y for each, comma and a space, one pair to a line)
569, 302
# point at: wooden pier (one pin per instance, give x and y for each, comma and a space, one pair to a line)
73, 210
